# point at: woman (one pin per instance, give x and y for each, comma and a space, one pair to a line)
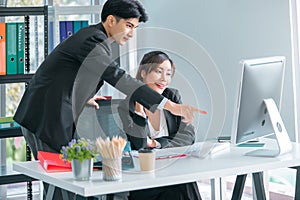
160, 129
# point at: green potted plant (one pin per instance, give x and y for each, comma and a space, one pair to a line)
81, 153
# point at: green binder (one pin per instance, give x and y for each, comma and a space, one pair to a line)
84, 23
79, 24
76, 26
20, 47
11, 48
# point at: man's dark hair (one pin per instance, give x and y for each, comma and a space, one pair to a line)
124, 9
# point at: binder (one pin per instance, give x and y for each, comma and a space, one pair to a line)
62, 31
11, 48
2, 48
52, 162
76, 26
51, 38
69, 28
84, 23
20, 47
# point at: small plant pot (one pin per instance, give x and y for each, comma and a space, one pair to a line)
82, 171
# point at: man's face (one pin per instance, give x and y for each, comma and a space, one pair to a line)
121, 31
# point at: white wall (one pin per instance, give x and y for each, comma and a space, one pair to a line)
229, 31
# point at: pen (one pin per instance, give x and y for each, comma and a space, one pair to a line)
171, 156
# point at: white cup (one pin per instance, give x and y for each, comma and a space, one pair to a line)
147, 160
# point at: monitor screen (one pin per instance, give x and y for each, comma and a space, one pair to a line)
256, 113
103, 122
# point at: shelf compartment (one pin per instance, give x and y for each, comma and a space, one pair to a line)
22, 11
10, 132
8, 176
16, 78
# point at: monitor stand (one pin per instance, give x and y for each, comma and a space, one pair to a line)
283, 143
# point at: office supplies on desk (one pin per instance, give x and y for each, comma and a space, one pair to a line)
199, 149
224, 138
203, 149
183, 155
111, 153
127, 162
219, 147
52, 162
147, 159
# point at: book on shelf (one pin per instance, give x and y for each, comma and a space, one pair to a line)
84, 23
11, 48
2, 48
8, 122
76, 26
20, 47
65, 30
51, 38
69, 28
62, 31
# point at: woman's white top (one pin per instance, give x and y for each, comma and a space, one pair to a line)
163, 128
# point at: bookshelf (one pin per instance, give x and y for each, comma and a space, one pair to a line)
7, 176
26, 12
56, 11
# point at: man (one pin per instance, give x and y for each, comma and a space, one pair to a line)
75, 70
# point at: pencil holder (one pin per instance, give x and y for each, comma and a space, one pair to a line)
112, 168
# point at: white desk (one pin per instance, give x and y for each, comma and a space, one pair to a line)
169, 172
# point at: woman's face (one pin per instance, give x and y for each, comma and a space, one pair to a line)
159, 78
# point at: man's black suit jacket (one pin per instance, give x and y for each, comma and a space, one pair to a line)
137, 130
67, 78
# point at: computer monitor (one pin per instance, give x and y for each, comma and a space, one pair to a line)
103, 122
256, 113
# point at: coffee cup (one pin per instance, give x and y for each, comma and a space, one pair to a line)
147, 160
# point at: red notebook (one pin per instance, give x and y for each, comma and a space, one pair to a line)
53, 163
